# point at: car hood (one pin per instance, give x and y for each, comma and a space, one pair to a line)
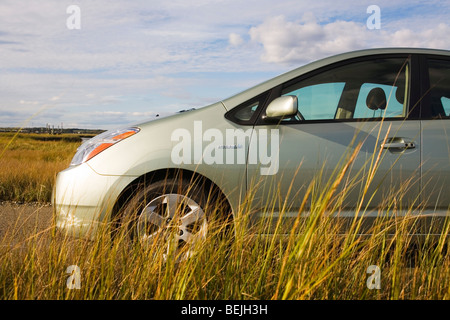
175, 120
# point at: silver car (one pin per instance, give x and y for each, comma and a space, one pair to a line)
387, 111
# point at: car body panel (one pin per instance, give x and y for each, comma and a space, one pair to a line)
83, 199
327, 153
151, 151
436, 164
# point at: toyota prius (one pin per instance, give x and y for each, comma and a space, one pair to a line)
379, 116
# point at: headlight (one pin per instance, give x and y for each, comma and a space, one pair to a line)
99, 143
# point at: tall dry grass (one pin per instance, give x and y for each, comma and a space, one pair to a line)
312, 263
29, 164
309, 259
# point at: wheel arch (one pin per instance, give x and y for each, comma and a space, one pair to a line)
160, 175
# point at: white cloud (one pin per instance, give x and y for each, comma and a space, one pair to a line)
288, 42
434, 37
143, 114
235, 39
108, 113
29, 102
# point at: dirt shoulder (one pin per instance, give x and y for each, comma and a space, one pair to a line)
20, 221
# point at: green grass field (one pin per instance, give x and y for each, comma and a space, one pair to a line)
307, 261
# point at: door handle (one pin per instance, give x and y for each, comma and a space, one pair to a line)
398, 144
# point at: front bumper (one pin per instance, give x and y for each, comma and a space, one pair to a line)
83, 199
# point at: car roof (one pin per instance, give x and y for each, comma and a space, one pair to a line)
262, 87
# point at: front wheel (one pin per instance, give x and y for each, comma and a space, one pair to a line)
174, 213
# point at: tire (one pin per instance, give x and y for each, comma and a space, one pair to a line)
177, 214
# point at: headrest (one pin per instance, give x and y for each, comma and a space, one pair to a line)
376, 99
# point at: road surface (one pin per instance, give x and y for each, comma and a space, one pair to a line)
18, 222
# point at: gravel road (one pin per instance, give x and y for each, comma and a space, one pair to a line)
20, 221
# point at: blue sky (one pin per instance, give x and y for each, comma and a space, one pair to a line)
131, 60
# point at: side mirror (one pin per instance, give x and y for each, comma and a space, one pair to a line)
282, 107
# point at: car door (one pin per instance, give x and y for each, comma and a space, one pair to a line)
436, 135
361, 101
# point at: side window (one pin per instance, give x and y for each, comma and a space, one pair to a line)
246, 113
446, 104
395, 107
319, 101
360, 90
439, 74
